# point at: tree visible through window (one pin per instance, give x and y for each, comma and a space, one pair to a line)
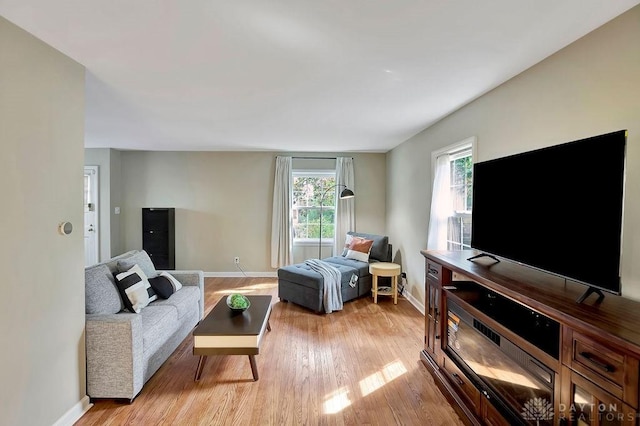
308, 189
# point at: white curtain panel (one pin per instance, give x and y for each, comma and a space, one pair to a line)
281, 230
441, 206
345, 209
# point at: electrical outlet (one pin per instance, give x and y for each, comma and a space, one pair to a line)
236, 260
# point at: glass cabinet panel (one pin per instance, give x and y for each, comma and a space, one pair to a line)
590, 405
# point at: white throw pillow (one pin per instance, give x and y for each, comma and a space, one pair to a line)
357, 255
177, 285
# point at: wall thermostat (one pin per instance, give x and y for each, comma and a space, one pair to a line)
65, 228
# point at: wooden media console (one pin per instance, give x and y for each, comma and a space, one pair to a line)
509, 344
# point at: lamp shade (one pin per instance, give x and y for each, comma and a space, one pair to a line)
346, 193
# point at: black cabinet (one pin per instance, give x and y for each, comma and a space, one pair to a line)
158, 236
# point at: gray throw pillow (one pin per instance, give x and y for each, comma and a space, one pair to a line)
141, 259
101, 296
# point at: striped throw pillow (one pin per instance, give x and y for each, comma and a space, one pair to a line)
135, 290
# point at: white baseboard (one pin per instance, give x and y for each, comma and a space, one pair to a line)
271, 274
415, 302
274, 274
74, 413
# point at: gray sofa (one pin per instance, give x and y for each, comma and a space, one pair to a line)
125, 349
303, 286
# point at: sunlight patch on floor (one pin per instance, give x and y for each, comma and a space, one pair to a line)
380, 378
248, 288
337, 401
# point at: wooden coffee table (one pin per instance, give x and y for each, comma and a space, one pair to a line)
224, 332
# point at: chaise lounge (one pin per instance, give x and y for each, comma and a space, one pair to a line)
303, 286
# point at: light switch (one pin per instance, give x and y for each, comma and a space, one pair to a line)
116, 210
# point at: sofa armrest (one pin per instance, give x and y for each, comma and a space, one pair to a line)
192, 278
114, 355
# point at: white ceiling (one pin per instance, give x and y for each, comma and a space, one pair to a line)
294, 75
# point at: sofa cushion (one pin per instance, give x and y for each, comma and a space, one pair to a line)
140, 258
135, 289
101, 294
182, 301
361, 268
379, 249
303, 275
158, 324
113, 262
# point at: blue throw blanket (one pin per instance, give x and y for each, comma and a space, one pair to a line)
332, 297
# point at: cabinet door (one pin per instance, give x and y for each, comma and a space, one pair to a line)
436, 277
584, 403
432, 324
158, 236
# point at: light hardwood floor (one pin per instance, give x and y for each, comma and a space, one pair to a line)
357, 366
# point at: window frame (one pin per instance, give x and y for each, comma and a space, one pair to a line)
319, 173
457, 150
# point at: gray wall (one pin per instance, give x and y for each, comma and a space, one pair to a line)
591, 87
223, 203
42, 364
224, 199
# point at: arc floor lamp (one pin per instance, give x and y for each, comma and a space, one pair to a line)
346, 193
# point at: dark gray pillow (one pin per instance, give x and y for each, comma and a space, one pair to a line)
141, 259
101, 296
379, 249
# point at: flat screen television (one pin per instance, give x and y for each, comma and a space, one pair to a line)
558, 209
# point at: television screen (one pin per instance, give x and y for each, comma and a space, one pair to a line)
558, 209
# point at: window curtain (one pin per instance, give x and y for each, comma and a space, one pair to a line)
440, 205
281, 230
345, 209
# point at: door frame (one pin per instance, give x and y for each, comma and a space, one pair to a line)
94, 189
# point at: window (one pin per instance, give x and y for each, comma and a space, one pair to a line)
451, 203
461, 185
308, 190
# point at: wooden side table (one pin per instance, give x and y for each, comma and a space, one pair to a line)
385, 269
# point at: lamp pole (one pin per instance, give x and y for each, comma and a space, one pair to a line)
346, 193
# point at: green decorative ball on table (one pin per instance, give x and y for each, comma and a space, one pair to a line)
238, 302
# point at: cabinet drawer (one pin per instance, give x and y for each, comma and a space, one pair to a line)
491, 416
604, 365
434, 272
437, 274
463, 385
